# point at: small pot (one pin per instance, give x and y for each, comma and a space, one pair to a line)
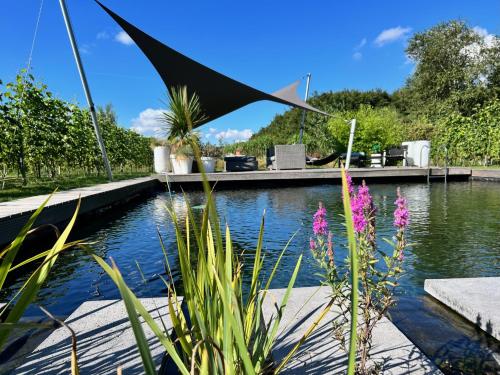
181, 164
208, 163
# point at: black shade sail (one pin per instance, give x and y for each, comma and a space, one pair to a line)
218, 94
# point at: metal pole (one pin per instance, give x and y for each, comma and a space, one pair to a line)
83, 78
349, 147
301, 133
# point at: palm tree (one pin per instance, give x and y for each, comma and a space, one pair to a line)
184, 115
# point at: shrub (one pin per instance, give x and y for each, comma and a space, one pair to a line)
373, 125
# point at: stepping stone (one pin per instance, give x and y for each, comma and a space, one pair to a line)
476, 299
105, 340
321, 353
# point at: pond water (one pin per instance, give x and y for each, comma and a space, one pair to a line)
454, 232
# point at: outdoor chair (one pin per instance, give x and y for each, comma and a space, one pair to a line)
282, 157
395, 154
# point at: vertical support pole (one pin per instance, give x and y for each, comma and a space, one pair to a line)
83, 78
351, 140
301, 133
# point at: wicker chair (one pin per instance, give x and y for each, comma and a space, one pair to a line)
287, 157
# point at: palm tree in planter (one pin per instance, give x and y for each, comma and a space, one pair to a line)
184, 115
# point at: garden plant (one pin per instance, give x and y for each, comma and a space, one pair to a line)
377, 281
12, 259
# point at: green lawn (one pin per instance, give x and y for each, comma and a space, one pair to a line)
14, 189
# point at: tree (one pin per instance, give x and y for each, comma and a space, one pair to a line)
382, 126
456, 69
284, 128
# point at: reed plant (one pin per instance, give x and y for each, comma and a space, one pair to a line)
219, 326
13, 309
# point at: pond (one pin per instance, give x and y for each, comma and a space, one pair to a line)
454, 232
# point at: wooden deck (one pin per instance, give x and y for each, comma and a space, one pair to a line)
96, 198
308, 176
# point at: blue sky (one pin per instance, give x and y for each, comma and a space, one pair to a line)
266, 44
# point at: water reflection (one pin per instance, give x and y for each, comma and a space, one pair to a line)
454, 233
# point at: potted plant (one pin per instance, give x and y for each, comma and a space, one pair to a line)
181, 158
161, 153
210, 154
183, 116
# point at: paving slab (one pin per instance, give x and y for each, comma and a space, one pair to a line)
322, 354
105, 340
14, 214
476, 299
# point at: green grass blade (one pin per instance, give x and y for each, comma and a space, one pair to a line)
42, 255
236, 322
164, 339
38, 278
274, 330
11, 251
304, 337
353, 255
140, 338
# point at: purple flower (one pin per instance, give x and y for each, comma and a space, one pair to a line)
320, 225
350, 187
401, 215
358, 214
312, 244
329, 252
365, 197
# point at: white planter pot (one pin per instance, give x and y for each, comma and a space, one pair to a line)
208, 163
181, 164
162, 159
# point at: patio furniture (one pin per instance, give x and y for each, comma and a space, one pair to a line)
376, 160
282, 157
240, 163
357, 158
395, 154
323, 161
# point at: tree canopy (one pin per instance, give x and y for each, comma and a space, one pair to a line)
451, 98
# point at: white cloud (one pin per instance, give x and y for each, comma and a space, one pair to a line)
360, 45
229, 135
475, 49
123, 38
85, 48
149, 123
357, 55
490, 40
102, 35
391, 35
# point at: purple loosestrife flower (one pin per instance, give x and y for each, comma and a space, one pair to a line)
312, 244
320, 225
365, 197
329, 252
401, 216
358, 215
350, 187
